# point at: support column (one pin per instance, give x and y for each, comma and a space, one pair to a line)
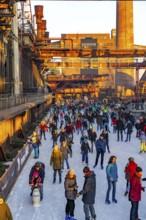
16, 60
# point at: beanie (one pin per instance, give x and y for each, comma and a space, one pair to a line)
131, 159
138, 169
86, 169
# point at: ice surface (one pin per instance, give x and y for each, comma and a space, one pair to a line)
53, 205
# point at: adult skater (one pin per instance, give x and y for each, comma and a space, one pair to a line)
5, 212
70, 186
88, 192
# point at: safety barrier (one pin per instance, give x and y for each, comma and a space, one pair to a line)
11, 174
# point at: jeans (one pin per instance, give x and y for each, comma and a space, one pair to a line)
134, 210
85, 157
114, 128
67, 163
36, 150
43, 133
110, 184
92, 143
89, 209
128, 138
97, 157
121, 133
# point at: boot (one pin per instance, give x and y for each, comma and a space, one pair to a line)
67, 217
59, 180
54, 180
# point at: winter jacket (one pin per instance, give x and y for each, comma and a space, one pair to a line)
112, 172
70, 186
36, 181
120, 125
100, 145
135, 188
62, 136
85, 147
56, 160
92, 136
65, 151
5, 213
130, 169
41, 174
78, 124
129, 128
89, 189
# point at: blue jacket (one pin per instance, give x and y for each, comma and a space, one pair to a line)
112, 172
100, 145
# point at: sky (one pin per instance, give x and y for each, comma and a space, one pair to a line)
53, 205
89, 17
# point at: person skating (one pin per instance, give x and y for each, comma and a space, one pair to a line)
56, 162
112, 178
106, 137
39, 167
65, 151
89, 192
120, 128
5, 212
129, 131
129, 172
85, 149
92, 138
36, 143
70, 185
100, 149
142, 139
135, 193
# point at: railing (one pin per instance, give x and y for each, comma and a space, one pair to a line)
8, 100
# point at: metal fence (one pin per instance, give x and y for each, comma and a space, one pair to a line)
8, 101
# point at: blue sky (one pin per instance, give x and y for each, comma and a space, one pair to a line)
89, 17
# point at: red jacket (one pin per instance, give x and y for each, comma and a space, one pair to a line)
114, 121
78, 123
135, 188
130, 169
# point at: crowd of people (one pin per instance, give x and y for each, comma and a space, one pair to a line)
92, 122
80, 118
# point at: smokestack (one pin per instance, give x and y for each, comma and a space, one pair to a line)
124, 25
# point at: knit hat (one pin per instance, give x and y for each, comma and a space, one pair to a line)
71, 172
138, 169
86, 169
35, 174
131, 159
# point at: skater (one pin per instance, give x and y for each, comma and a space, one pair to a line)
36, 182
129, 131
71, 187
39, 168
100, 149
56, 162
129, 172
65, 151
36, 143
85, 149
92, 138
120, 128
112, 178
135, 193
88, 192
5, 212
43, 128
142, 139
106, 137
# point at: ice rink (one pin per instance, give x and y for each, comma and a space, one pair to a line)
53, 205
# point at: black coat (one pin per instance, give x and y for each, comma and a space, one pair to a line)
89, 189
41, 174
120, 125
85, 147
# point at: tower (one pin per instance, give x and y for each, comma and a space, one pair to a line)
124, 25
124, 78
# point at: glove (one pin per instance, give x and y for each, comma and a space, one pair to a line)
78, 194
144, 179
143, 189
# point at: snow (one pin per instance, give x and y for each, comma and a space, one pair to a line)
53, 205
